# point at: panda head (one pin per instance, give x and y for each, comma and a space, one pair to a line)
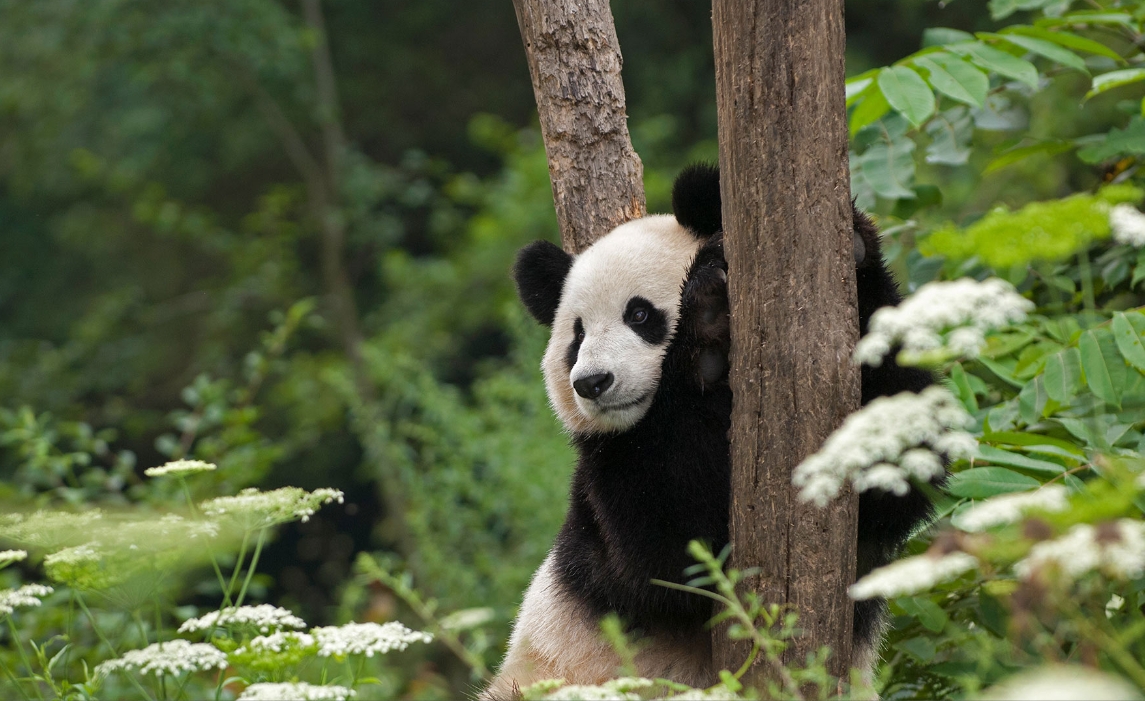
613, 308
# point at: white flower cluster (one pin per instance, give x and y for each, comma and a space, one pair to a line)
180, 468
952, 315
623, 689
912, 575
277, 642
1008, 508
1062, 683
7, 557
25, 596
262, 618
49, 529
366, 639
172, 657
1128, 225
297, 691
1116, 548
886, 443
262, 509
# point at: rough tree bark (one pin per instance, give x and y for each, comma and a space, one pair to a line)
574, 60
787, 222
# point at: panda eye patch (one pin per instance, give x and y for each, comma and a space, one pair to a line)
646, 320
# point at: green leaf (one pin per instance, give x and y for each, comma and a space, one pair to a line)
955, 78
1088, 17
937, 36
1005, 374
1043, 48
997, 456
1023, 438
921, 649
998, 61
1115, 79
1014, 155
950, 132
960, 382
928, 613
1118, 142
908, 93
1067, 39
854, 88
1062, 375
1138, 269
1128, 341
985, 482
1032, 401
1097, 370
889, 167
871, 107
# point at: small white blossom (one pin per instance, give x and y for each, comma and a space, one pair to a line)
912, 575
1062, 683
262, 509
262, 617
622, 689
955, 315
1116, 548
172, 657
1128, 225
1113, 605
26, 596
887, 443
1008, 508
277, 642
467, 618
366, 639
297, 691
7, 557
49, 529
180, 468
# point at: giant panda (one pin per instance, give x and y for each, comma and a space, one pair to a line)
636, 370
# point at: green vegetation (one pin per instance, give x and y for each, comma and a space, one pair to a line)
210, 251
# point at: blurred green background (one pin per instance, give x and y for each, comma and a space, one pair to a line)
210, 248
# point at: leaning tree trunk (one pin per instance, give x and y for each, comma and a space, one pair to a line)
794, 316
574, 60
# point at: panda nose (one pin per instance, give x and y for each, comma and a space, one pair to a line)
593, 386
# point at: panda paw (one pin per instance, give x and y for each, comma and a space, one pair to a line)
704, 321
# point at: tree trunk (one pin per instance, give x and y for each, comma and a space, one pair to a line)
574, 60
794, 315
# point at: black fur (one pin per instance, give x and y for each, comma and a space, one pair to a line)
574, 346
540, 273
696, 199
653, 328
639, 496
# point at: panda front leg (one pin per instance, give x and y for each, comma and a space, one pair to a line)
703, 331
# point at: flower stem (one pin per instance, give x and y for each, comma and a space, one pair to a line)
210, 552
23, 655
103, 638
238, 566
253, 566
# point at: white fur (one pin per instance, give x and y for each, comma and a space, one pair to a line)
555, 638
648, 257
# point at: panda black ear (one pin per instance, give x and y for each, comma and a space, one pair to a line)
696, 199
540, 273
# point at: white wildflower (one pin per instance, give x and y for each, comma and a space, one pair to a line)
49, 529
172, 657
622, 689
180, 468
1128, 225
262, 618
297, 691
955, 315
1116, 548
261, 509
1007, 508
1113, 605
887, 443
1063, 683
718, 692
7, 557
24, 597
366, 639
277, 642
912, 575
